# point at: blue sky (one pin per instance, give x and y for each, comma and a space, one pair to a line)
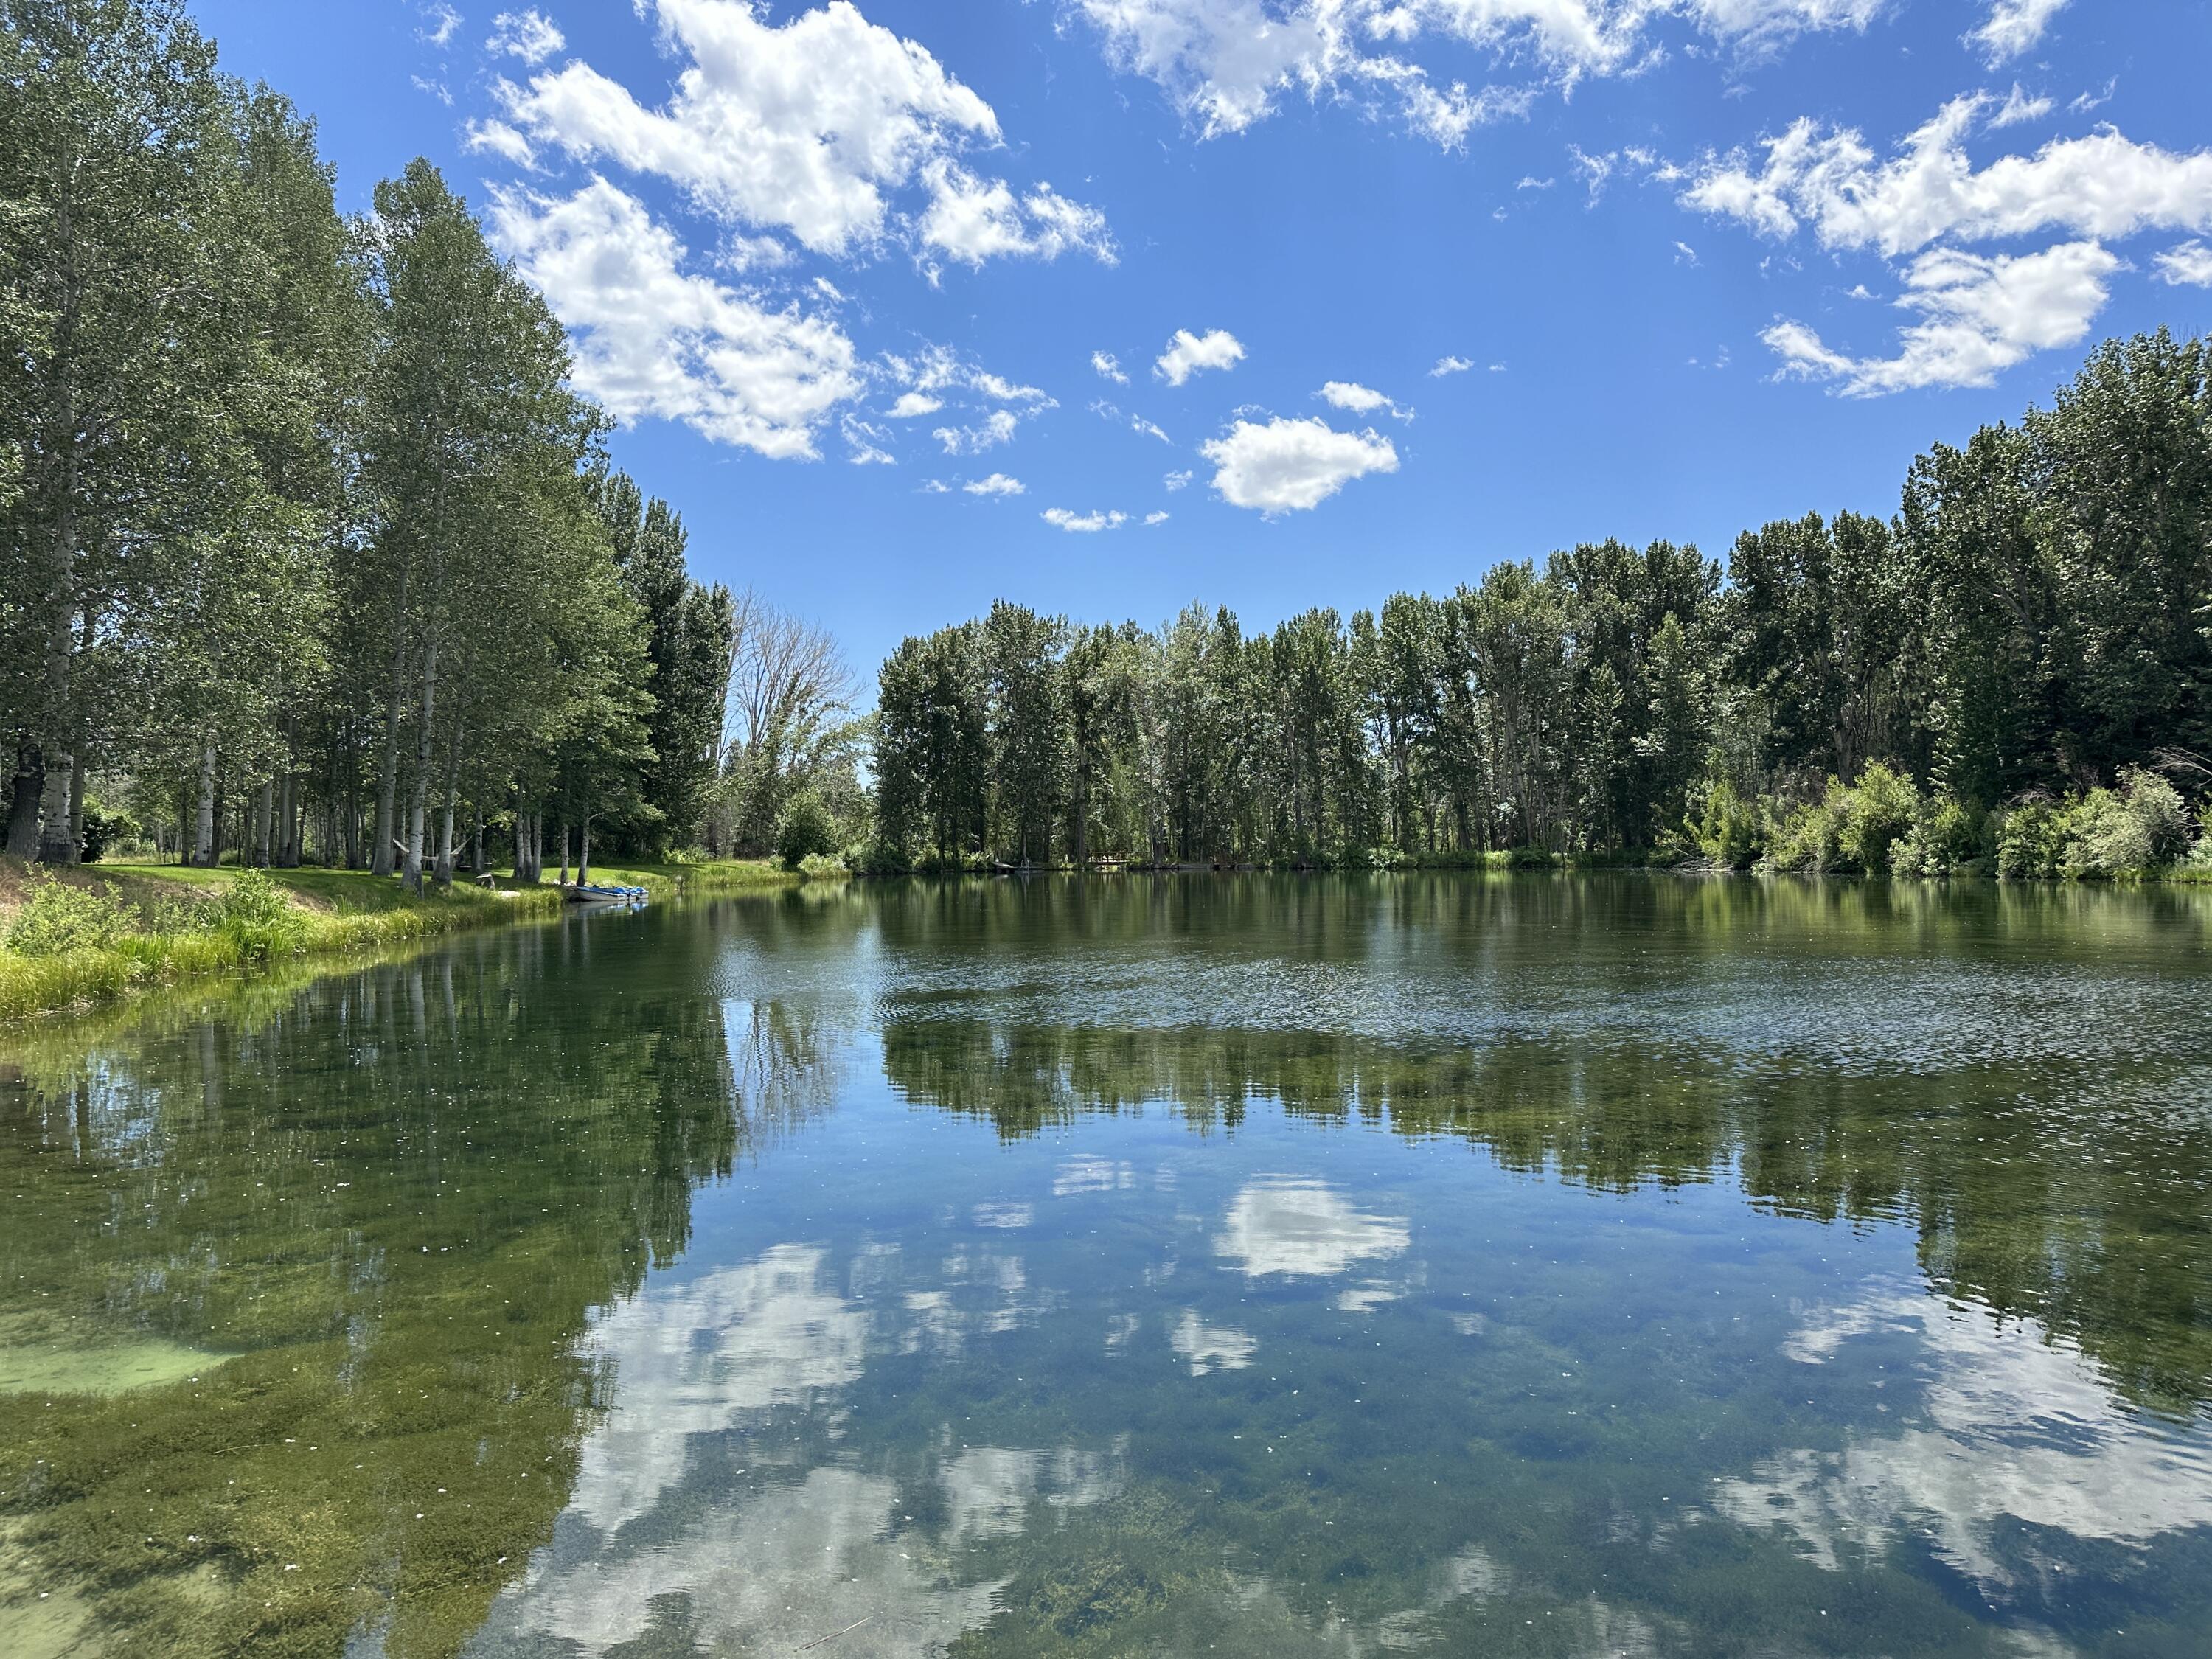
1704, 262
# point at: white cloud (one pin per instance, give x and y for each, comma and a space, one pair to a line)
1188, 353
997, 484
1979, 315
864, 441
2189, 263
1109, 367
527, 35
1227, 63
1289, 465
2014, 26
501, 139
1151, 519
976, 219
1359, 400
441, 21
1450, 366
2019, 109
1175, 481
435, 88
1303, 1229
1145, 429
935, 487
1084, 523
995, 429
1348, 394
2102, 185
913, 404
651, 339
809, 127
1007, 391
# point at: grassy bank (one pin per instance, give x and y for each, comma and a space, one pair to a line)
78, 938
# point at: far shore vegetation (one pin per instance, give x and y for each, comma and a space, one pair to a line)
313, 563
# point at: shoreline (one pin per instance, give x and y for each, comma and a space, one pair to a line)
332, 915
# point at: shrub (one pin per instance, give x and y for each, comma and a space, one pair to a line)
1948, 836
1730, 831
2140, 826
259, 919
807, 830
822, 866
1876, 814
58, 919
2031, 842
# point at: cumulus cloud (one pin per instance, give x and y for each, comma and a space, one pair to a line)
1360, 400
1108, 368
1290, 466
1979, 315
1188, 353
1225, 64
1083, 522
1450, 366
1175, 481
654, 339
809, 127
2189, 263
973, 219
2103, 186
1145, 429
2014, 26
500, 139
1151, 519
528, 35
997, 484
912, 405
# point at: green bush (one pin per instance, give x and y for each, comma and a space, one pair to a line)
2139, 827
1730, 831
822, 866
259, 919
1876, 814
58, 919
807, 832
1947, 837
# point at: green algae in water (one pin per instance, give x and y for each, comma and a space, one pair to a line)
1559, 1267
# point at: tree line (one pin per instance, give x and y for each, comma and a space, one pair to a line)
308, 550
2034, 623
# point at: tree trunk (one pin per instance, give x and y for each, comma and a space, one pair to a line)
204, 821
446, 836
265, 815
387, 787
584, 857
476, 853
418, 805
23, 810
562, 830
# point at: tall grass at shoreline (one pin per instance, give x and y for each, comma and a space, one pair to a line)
110, 930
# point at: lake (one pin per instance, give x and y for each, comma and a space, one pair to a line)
1523, 1265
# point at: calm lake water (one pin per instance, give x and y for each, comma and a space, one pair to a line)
1202, 1265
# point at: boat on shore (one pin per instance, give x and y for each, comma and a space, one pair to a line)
585, 893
